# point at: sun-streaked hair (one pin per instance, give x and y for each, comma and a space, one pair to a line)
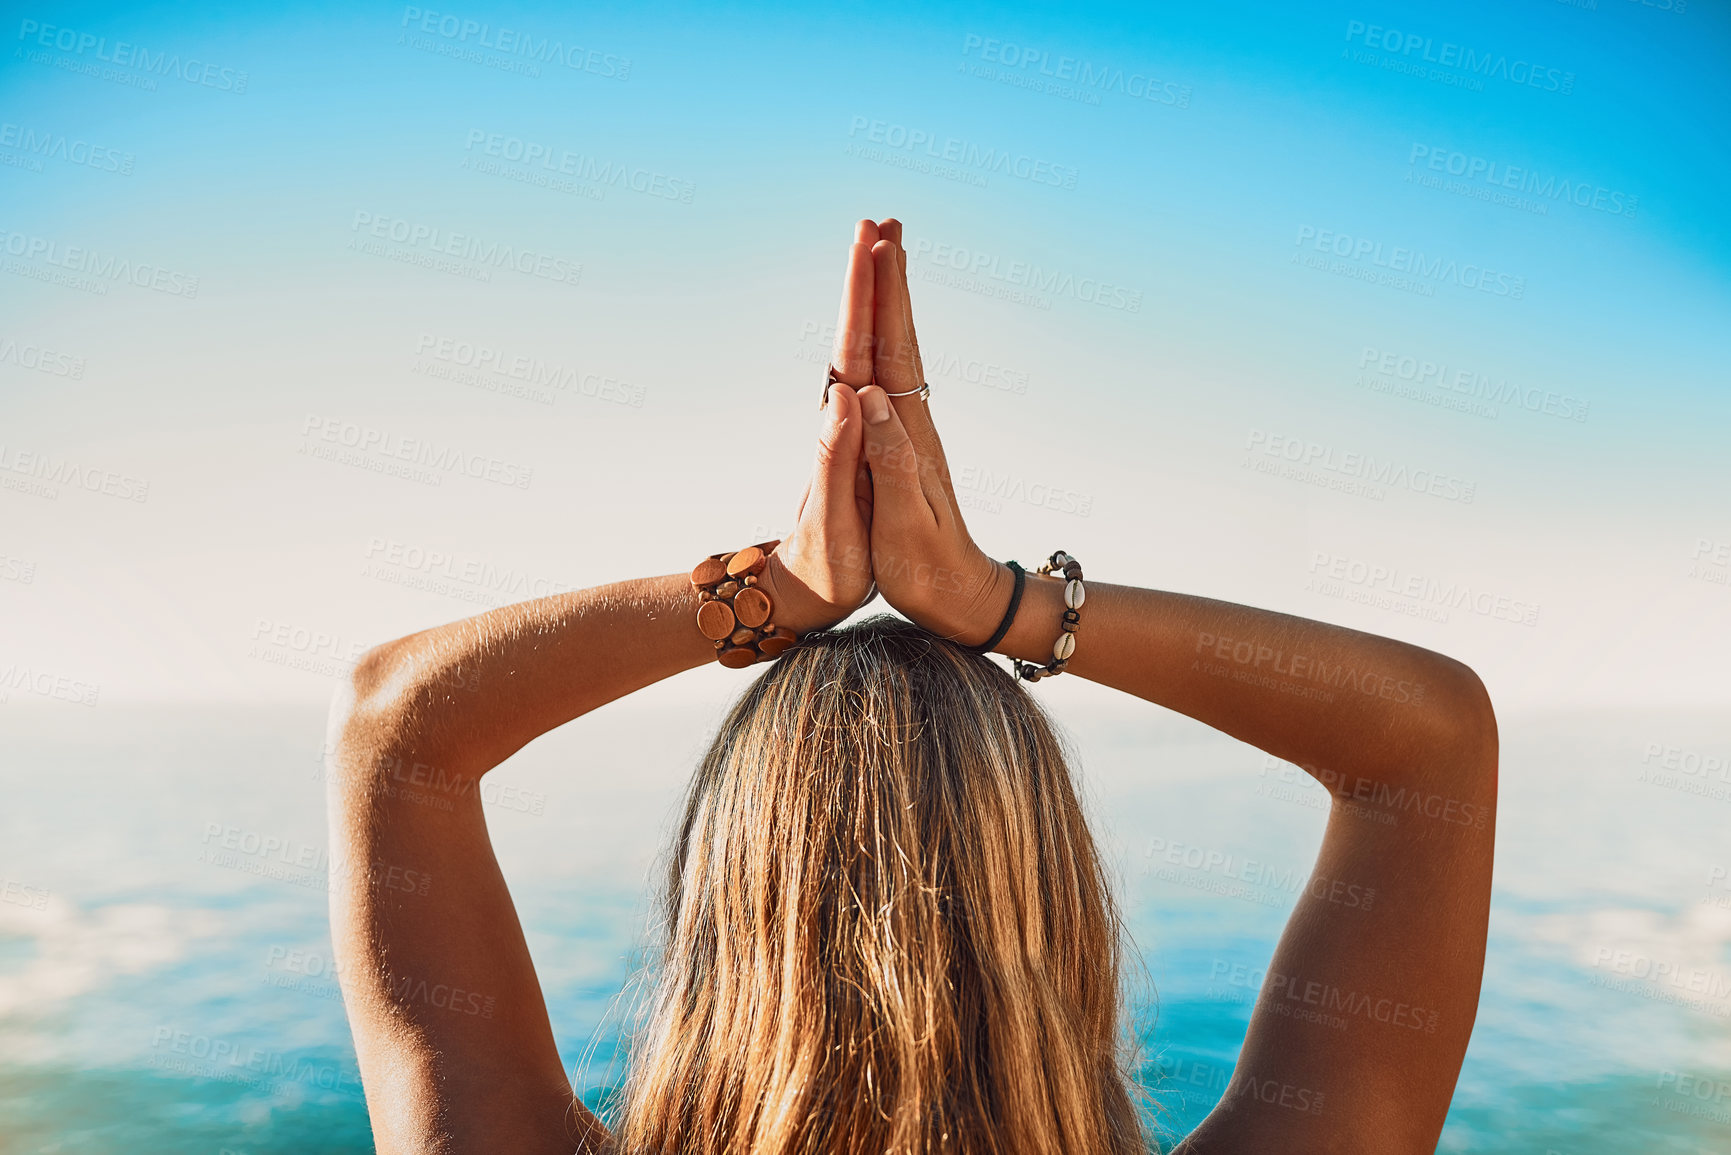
887, 930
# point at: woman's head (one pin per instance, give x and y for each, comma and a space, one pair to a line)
887, 929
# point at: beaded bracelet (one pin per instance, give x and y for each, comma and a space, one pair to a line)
1074, 595
734, 611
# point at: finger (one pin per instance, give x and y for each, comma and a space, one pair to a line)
838, 525
898, 352
867, 233
897, 364
840, 444
862, 492
902, 491
852, 354
890, 229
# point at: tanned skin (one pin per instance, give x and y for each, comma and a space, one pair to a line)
1364, 1016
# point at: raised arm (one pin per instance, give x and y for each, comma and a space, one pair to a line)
1366, 1009
451, 1030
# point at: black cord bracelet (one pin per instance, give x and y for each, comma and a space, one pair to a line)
990, 643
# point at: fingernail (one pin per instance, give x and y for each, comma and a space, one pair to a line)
876, 406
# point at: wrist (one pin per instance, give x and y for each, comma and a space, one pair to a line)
973, 615
1038, 620
794, 604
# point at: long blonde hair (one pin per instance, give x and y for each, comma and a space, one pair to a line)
887, 931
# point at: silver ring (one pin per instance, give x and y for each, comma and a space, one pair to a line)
829, 378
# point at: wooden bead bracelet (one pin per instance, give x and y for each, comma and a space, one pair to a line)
734, 611
1074, 595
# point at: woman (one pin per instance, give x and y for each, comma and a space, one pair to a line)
887, 925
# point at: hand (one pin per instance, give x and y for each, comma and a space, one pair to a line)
924, 560
821, 572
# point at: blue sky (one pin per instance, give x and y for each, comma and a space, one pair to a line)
1264, 211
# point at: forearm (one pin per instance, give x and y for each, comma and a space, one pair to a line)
452, 1036
469, 694
1325, 697
451, 1029
1405, 740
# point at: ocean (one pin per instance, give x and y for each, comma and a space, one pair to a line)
166, 986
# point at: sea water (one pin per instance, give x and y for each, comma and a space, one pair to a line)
166, 977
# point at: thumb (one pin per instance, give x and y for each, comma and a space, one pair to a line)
839, 444
899, 481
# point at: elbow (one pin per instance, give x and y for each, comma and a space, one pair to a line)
371, 713
381, 676
1462, 724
